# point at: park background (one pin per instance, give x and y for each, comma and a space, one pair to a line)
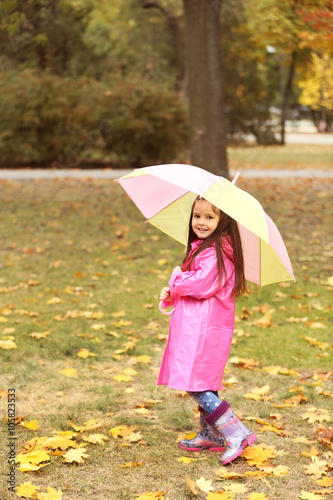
95, 84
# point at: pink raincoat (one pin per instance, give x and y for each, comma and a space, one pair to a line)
202, 324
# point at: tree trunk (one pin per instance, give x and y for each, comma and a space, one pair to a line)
207, 128
285, 96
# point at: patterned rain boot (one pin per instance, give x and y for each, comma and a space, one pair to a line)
225, 424
205, 439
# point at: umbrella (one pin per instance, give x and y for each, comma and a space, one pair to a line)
165, 194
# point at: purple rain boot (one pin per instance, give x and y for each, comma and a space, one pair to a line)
205, 439
226, 425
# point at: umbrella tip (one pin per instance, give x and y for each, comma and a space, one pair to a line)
234, 180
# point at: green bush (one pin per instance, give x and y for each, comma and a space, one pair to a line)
46, 119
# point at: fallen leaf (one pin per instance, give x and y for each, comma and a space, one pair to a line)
84, 353
132, 464
191, 484
316, 469
51, 494
27, 490
204, 485
95, 438
7, 344
221, 495
256, 496
69, 372
306, 495
186, 460
325, 481
76, 455
30, 425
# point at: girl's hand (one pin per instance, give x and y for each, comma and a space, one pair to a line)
165, 294
178, 268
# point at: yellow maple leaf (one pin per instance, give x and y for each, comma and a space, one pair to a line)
316, 469
34, 457
306, 495
33, 425
235, 487
76, 455
258, 454
27, 490
224, 473
121, 430
325, 481
313, 416
39, 335
133, 437
89, 425
204, 485
132, 464
62, 442
30, 467
84, 353
98, 326
7, 344
221, 495
186, 460
302, 440
143, 359
276, 370
141, 411
95, 438
130, 371
123, 378
51, 494
118, 314
148, 495
69, 372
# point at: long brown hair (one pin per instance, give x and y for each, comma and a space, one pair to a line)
227, 226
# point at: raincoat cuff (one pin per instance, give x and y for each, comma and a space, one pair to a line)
167, 303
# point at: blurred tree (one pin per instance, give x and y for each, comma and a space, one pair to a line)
205, 90
283, 25
47, 34
317, 86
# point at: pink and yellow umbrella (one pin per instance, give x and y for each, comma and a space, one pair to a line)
165, 194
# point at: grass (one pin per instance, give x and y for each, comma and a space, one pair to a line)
72, 249
291, 157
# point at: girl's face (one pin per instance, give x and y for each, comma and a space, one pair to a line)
204, 219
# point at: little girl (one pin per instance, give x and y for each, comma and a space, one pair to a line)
203, 293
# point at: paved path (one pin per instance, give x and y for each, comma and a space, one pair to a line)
25, 174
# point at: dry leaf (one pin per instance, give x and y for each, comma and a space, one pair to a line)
306, 495
7, 344
204, 485
69, 372
51, 494
132, 464
30, 425
191, 484
221, 495
27, 490
186, 460
84, 353
317, 468
76, 455
95, 438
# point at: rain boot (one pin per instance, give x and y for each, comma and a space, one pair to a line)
205, 439
226, 425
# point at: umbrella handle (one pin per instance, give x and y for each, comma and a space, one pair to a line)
163, 311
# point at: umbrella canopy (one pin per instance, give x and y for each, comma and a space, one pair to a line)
165, 194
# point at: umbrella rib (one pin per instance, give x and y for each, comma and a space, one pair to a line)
169, 205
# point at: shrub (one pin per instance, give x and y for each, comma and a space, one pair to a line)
47, 118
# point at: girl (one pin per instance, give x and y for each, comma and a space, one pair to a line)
203, 293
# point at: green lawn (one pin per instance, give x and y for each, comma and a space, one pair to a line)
79, 266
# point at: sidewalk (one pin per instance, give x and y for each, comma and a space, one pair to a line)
26, 174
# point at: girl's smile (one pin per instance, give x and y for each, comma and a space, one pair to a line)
204, 219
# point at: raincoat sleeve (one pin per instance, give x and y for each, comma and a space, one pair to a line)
203, 282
